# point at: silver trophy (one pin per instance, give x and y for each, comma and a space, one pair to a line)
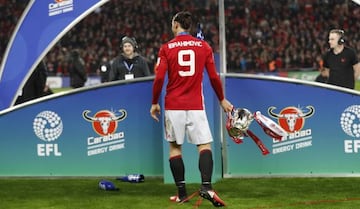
239, 120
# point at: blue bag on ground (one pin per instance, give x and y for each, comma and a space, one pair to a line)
107, 185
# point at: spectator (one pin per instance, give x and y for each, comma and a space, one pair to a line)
77, 71
35, 86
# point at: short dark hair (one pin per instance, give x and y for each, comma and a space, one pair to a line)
184, 18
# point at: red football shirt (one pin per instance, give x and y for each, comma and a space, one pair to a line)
184, 58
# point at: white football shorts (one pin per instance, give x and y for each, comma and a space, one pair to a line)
190, 123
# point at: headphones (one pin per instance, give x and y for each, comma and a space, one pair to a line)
127, 39
341, 40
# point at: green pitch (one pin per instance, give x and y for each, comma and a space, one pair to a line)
238, 193
357, 85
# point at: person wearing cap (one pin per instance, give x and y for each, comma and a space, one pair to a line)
129, 64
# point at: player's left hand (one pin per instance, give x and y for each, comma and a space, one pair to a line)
155, 111
226, 105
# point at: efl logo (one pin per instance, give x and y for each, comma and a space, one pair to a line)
60, 7
105, 124
292, 120
350, 124
48, 127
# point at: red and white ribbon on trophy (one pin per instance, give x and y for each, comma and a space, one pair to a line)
239, 120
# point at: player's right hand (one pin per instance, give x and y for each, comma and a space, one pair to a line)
155, 111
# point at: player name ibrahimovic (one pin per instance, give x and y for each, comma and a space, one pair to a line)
184, 43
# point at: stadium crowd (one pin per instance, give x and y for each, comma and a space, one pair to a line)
261, 35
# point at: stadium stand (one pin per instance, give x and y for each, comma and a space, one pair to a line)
261, 35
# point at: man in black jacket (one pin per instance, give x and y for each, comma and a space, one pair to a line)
77, 71
129, 64
35, 86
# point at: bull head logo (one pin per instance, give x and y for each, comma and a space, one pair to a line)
104, 122
291, 118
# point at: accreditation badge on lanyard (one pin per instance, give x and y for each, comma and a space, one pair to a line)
128, 75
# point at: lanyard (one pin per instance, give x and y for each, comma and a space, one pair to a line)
128, 67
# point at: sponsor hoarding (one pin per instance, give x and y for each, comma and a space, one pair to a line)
323, 127
93, 132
